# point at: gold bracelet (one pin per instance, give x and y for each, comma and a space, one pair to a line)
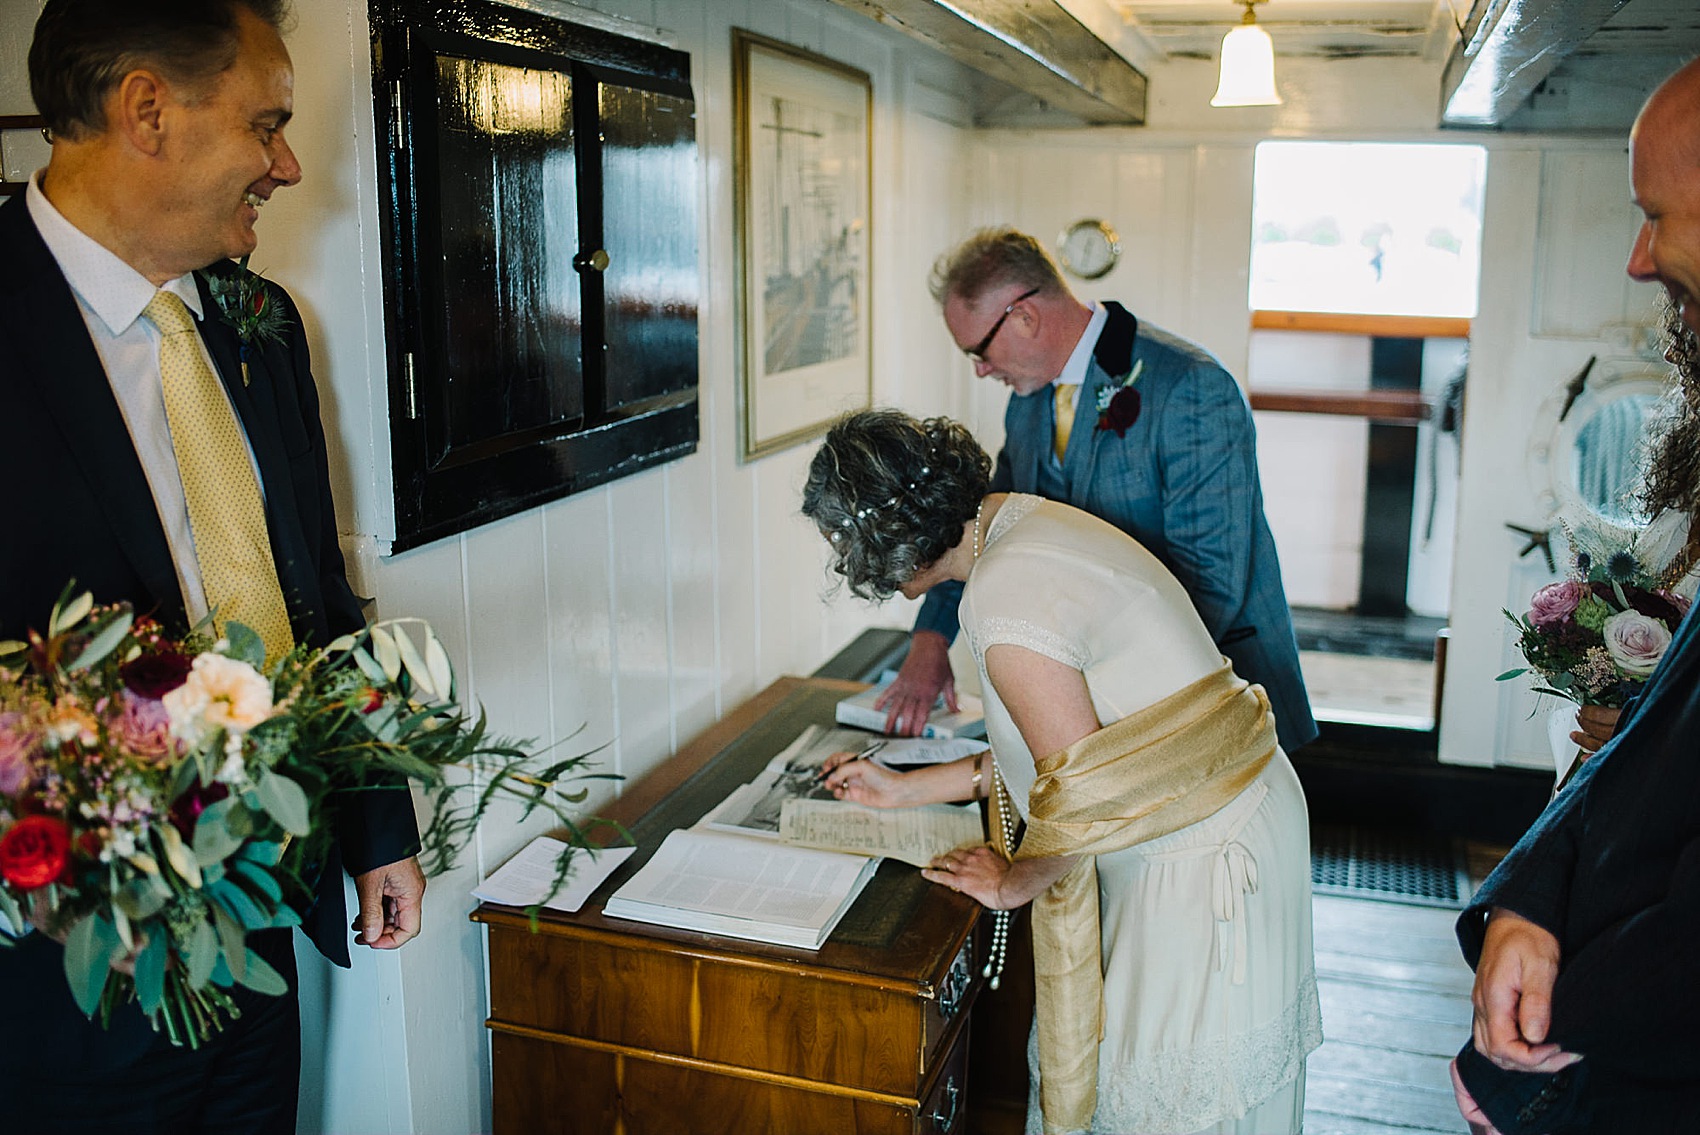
979, 760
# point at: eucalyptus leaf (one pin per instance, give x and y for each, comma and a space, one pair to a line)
232, 945
245, 644
265, 852
14, 916
88, 955
221, 975
141, 899
284, 801
201, 953
259, 877
214, 838
104, 642
12, 646
150, 974
66, 616
388, 655
245, 910
339, 643
1509, 674
262, 978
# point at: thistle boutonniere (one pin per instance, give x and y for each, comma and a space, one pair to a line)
246, 303
1118, 403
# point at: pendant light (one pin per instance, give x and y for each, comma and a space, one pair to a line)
1248, 65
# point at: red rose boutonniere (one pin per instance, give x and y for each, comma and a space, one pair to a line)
245, 303
1118, 405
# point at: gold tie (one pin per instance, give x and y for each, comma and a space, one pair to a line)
1063, 393
226, 513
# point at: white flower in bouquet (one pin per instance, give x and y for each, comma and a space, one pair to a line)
1635, 642
220, 693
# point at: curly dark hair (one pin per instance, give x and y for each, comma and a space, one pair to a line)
893, 494
82, 48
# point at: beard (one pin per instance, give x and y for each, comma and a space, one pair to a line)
1673, 466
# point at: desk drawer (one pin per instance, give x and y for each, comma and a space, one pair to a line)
544, 1086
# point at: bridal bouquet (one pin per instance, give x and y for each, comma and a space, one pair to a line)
1596, 637
162, 798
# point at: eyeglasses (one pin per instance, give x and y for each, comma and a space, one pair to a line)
978, 351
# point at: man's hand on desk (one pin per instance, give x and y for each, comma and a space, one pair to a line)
924, 677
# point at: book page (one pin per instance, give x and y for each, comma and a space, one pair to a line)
913, 835
739, 879
529, 877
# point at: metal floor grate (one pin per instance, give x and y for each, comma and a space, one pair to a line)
1398, 866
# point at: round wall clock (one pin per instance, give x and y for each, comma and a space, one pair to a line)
1089, 248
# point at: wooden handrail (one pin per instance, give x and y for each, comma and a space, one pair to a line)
1398, 407
1348, 323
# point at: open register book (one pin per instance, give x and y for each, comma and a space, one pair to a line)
779, 860
765, 891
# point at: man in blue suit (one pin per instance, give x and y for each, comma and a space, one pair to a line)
1156, 438
168, 124
1583, 937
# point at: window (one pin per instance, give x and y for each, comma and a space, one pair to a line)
538, 183
1375, 228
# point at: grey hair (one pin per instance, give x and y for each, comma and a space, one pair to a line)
83, 48
993, 258
893, 493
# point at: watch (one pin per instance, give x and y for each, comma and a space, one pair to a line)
1089, 248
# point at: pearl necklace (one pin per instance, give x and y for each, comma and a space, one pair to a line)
1004, 809
977, 514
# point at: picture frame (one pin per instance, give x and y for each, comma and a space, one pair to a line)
28, 129
803, 200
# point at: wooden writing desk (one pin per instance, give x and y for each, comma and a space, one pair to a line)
603, 1025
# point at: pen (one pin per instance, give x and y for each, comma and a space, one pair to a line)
868, 750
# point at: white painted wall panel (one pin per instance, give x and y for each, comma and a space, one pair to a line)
1587, 225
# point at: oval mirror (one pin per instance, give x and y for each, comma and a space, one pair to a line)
1587, 445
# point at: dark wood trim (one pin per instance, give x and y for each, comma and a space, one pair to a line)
1394, 407
1348, 323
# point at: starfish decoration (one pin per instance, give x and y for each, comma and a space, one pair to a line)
1539, 538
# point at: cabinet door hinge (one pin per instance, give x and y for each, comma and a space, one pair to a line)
397, 126
412, 387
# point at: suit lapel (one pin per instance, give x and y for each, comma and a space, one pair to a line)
1112, 359
59, 360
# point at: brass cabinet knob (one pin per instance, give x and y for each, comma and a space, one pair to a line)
592, 261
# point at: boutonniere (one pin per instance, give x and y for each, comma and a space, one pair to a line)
1118, 404
247, 304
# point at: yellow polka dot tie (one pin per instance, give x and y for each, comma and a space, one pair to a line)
1063, 394
226, 513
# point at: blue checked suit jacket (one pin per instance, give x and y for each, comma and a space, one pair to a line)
1184, 483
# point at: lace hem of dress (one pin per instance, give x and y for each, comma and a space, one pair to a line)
1223, 1078
1014, 507
1020, 632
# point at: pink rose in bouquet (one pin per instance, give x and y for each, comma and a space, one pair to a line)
1555, 603
1635, 642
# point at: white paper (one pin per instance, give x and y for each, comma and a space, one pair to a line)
526, 878
913, 835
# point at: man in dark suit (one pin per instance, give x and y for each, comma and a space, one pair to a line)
1170, 459
168, 123
1583, 938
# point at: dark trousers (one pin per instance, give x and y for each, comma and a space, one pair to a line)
63, 1073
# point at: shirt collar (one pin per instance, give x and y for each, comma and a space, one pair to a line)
1074, 371
110, 288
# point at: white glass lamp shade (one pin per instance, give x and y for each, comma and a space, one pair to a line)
1248, 69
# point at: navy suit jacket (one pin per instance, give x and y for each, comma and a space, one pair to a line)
1184, 483
79, 507
1612, 870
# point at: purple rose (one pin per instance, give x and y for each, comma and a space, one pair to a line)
1122, 411
1635, 642
1553, 604
143, 727
17, 741
155, 675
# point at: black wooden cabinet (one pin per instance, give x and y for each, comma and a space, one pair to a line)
539, 200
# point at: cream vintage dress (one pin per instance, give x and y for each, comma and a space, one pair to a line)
1210, 1003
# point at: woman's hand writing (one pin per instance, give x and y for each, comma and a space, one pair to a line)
859, 781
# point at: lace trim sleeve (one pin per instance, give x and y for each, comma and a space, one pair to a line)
1019, 632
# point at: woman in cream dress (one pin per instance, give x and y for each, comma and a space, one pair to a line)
1194, 822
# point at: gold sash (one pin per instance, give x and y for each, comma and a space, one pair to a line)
1167, 766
